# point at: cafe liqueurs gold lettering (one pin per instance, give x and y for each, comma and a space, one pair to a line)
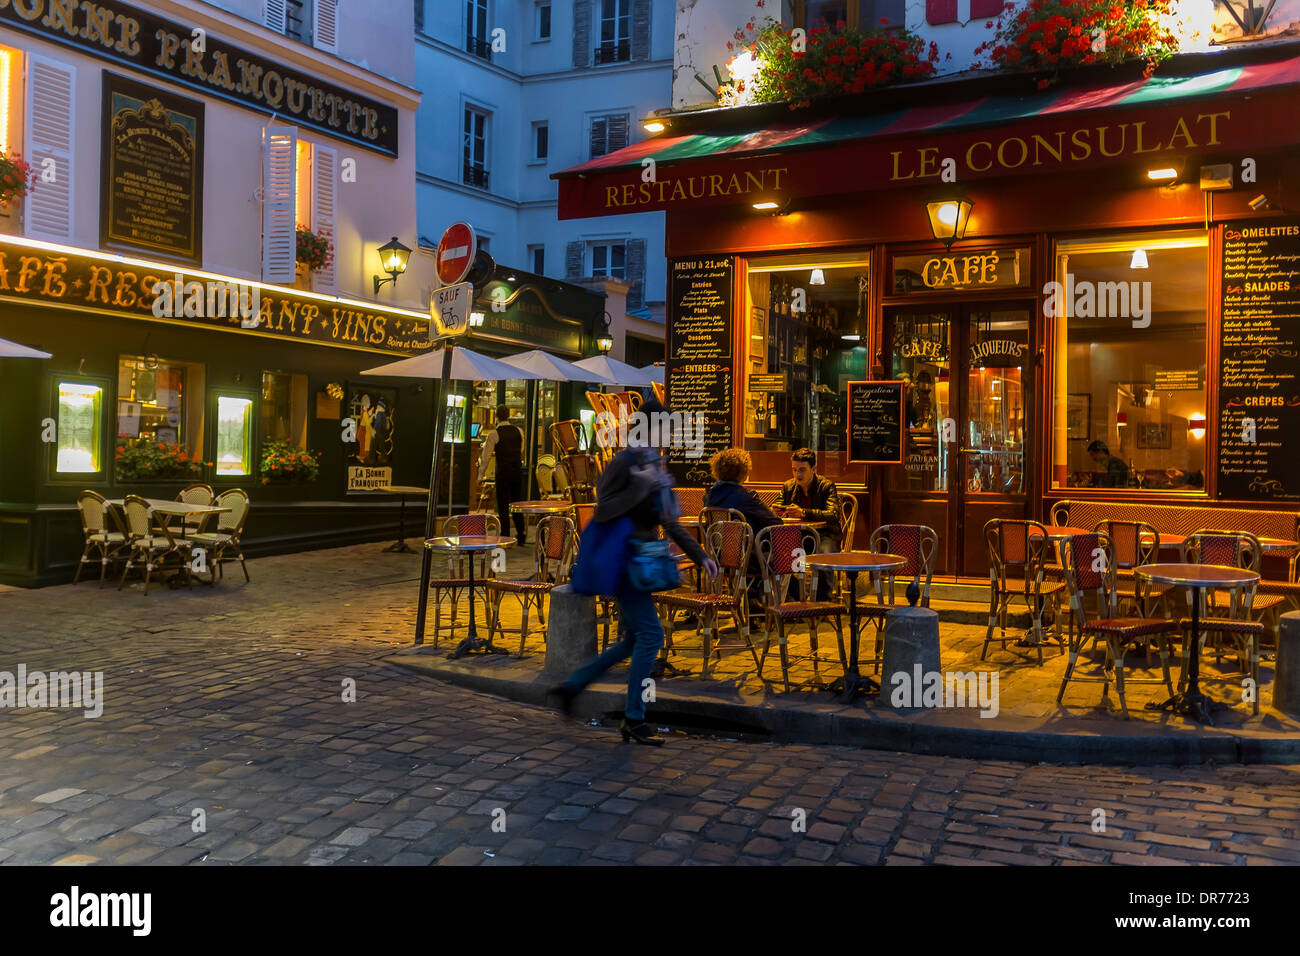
704, 186
944, 271
1062, 147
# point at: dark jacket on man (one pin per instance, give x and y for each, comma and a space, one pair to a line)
732, 494
619, 492
819, 503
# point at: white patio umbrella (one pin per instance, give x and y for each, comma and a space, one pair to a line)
14, 350
614, 371
656, 373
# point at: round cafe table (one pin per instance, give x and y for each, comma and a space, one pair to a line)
852, 563
555, 506
1191, 702
471, 544
400, 546
1058, 532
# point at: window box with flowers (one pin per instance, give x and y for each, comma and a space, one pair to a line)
283, 463
144, 459
774, 64
15, 180
1046, 36
315, 252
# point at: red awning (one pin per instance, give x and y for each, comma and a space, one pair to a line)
1157, 120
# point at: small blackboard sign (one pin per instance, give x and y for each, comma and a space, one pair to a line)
875, 433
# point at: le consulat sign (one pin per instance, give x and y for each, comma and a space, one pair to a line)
124, 34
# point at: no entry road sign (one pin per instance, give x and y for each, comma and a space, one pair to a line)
456, 252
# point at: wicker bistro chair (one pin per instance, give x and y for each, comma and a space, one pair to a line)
915, 542
555, 551
196, 494
729, 543
149, 542
96, 516
457, 583
1014, 547
551, 483
606, 607
777, 550
1237, 620
581, 472
569, 437
1079, 560
848, 520
1136, 543
230, 528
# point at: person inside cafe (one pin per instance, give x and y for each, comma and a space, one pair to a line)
810, 497
506, 442
731, 467
1114, 473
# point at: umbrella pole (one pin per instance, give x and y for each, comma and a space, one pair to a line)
530, 450
431, 515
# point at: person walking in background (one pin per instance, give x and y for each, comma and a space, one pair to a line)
635, 484
506, 442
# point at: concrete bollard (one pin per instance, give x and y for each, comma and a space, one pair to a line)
1286, 676
570, 630
911, 640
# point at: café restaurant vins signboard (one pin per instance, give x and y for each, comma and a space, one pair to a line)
158, 292
152, 194
137, 38
1259, 359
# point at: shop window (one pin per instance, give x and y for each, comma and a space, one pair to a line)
805, 319
153, 401
78, 426
234, 435
284, 408
1130, 350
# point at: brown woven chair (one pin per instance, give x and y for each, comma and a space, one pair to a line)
778, 548
1019, 547
569, 437
196, 493
230, 528
457, 583
1080, 555
150, 542
555, 551
103, 532
582, 472
1137, 543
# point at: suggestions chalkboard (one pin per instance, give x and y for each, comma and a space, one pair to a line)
876, 423
1259, 359
698, 379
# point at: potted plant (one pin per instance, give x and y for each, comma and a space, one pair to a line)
284, 463
145, 458
1046, 36
315, 252
15, 177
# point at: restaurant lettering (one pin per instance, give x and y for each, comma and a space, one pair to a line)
1064, 146
117, 32
708, 186
132, 291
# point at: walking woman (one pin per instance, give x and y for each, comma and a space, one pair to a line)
636, 484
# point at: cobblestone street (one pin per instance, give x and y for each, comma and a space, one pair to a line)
229, 701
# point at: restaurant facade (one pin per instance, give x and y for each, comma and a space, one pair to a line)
975, 298
178, 156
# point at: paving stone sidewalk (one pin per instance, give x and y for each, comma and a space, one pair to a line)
230, 701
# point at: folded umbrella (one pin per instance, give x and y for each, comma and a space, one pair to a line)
466, 365
615, 372
555, 369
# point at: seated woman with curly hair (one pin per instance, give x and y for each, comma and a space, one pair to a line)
731, 467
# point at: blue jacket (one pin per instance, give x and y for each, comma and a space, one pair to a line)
730, 494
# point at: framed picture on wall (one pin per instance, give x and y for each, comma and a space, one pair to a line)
1154, 435
1078, 417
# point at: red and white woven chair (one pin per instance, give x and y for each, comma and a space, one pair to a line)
457, 583
555, 551
1020, 548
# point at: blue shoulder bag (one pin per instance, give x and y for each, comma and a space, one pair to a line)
602, 556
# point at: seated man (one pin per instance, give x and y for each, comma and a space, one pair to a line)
811, 497
730, 469
1114, 472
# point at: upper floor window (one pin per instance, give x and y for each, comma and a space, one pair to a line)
419, 15
609, 259
541, 141
477, 41
537, 260
857, 14
475, 166
614, 31
308, 21
542, 20
608, 133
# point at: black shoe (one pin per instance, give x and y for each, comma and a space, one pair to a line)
642, 733
564, 699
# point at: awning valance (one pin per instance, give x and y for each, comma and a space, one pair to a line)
1156, 120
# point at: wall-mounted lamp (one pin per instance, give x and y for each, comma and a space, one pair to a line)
1121, 419
818, 277
1196, 426
393, 257
605, 341
1165, 175
653, 126
949, 217
772, 205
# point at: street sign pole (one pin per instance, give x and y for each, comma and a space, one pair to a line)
431, 516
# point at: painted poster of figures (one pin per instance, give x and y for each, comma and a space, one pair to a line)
371, 425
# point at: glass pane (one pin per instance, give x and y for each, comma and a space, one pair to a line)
234, 435
993, 435
150, 399
78, 428
826, 13
920, 343
1131, 359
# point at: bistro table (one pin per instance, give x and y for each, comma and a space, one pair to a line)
851, 563
1191, 702
1058, 532
400, 546
472, 545
165, 506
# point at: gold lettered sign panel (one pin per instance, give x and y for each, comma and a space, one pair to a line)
152, 168
136, 289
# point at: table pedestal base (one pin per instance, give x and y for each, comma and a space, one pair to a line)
1190, 703
474, 643
399, 547
851, 685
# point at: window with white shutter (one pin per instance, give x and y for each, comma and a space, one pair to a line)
279, 192
274, 17
323, 30
325, 172
608, 133
51, 107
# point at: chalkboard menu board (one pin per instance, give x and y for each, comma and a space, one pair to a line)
1259, 359
698, 377
876, 423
